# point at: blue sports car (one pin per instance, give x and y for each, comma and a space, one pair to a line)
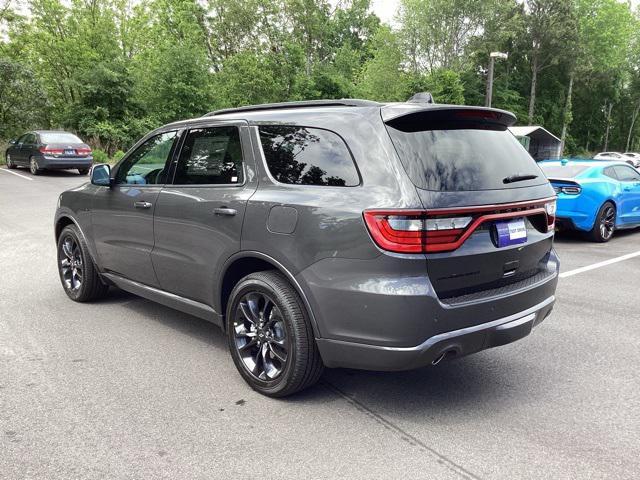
597, 197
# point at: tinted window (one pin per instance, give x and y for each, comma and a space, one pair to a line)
147, 164
610, 172
22, 138
210, 156
464, 159
30, 139
59, 137
307, 156
627, 174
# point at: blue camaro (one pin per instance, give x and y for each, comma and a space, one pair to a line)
597, 197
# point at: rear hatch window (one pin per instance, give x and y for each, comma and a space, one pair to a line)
461, 159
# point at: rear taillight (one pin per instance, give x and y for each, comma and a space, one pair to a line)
83, 151
550, 208
51, 151
444, 230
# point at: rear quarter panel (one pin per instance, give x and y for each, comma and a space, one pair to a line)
583, 208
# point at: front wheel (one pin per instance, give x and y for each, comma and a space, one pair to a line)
270, 336
83, 171
33, 167
10, 164
78, 274
605, 223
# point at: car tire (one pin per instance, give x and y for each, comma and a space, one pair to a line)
83, 171
605, 224
33, 167
78, 273
266, 322
10, 164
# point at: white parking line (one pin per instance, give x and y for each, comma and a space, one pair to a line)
15, 173
599, 264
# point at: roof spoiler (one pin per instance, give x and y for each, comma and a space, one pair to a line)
412, 117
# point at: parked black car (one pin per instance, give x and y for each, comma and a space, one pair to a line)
343, 233
49, 150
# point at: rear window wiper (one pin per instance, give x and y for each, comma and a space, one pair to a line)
518, 178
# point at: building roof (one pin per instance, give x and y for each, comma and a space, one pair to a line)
528, 130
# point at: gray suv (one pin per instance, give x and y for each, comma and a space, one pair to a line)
342, 233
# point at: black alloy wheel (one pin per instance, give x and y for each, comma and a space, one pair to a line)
78, 274
605, 223
270, 335
260, 336
71, 265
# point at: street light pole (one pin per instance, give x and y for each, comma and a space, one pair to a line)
492, 58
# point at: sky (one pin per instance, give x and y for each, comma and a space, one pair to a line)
385, 9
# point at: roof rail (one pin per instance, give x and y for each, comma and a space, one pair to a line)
344, 102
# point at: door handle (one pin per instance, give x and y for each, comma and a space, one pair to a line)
225, 211
142, 204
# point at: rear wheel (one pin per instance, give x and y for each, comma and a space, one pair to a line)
270, 336
78, 274
605, 223
33, 167
10, 163
83, 171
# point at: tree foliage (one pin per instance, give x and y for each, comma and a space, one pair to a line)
112, 69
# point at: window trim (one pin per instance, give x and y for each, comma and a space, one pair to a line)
133, 149
174, 167
277, 182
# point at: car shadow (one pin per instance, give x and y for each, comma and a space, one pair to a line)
467, 383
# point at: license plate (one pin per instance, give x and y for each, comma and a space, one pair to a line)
512, 232
69, 152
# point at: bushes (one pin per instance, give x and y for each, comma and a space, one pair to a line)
100, 156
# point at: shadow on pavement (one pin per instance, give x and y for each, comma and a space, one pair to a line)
470, 383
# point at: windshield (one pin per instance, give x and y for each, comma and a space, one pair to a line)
465, 159
59, 137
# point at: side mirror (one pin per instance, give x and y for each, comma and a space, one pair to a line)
101, 175
13, 141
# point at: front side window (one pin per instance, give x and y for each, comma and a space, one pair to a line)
307, 156
210, 156
627, 174
147, 165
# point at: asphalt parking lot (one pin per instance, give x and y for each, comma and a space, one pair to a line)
126, 388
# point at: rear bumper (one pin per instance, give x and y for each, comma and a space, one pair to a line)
53, 163
457, 343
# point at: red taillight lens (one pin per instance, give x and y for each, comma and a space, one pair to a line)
51, 151
84, 151
550, 208
413, 231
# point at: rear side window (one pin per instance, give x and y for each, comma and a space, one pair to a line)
307, 156
464, 159
210, 156
627, 174
610, 172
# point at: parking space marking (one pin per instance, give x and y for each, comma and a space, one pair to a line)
16, 173
599, 264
